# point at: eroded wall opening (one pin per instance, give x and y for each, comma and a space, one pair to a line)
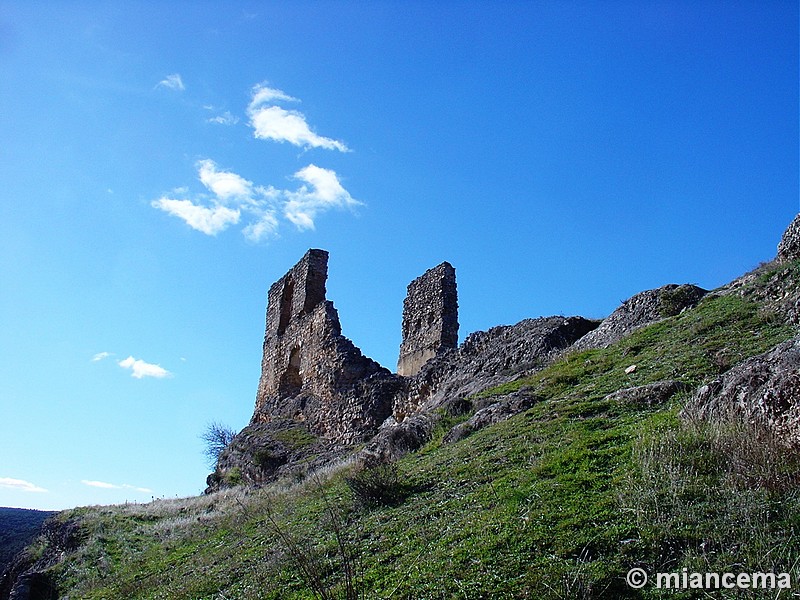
291, 381
287, 297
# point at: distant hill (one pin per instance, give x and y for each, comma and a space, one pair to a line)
18, 526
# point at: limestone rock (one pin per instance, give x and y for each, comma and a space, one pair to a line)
264, 452
501, 410
397, 439
789, 246
642, 309
648, 395
764, 389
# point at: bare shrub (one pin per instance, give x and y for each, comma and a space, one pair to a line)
216, 437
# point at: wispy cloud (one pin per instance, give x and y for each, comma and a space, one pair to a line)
20, 485
263, 94
235, 197
140, 368
271, 122
100, 356
226, 118
113, 486
172, 82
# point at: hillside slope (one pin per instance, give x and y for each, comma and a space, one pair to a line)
18, 527
613, 463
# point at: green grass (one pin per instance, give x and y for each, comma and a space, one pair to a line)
557, 502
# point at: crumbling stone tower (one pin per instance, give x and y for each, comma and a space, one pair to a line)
310, 372
430, 318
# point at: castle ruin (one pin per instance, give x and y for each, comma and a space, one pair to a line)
311, 373
430, 319
319, 397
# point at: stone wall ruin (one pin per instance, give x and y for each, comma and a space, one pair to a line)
319, 396
430, 318
310, 372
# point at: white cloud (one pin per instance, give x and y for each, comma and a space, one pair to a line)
281, 125
236, 198
210, 220
262, 229
140, 368
226, 185
323, 192
20, 485
99, 484
172, 82
233, 195
113, 486
100, 356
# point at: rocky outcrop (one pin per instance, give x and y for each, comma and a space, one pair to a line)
430, 318
500, 409
29, 579
789, 246
773, 286
642, 309
485, 359
489, 358
397, 439
764, 389
263, 452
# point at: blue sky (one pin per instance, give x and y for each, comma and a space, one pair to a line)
162, 165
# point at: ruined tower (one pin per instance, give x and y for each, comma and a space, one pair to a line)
430, 318
310, 372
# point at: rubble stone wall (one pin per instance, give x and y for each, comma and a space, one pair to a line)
430, 318
311, 373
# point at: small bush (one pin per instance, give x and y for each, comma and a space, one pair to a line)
234, 476
673, 301
380, 485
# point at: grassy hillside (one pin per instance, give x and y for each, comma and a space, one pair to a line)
558, 502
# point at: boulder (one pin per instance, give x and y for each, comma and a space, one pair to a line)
764, 389
647, 395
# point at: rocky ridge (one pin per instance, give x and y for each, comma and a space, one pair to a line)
320, 399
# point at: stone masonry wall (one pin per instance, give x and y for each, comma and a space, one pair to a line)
311, 373
430, 318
